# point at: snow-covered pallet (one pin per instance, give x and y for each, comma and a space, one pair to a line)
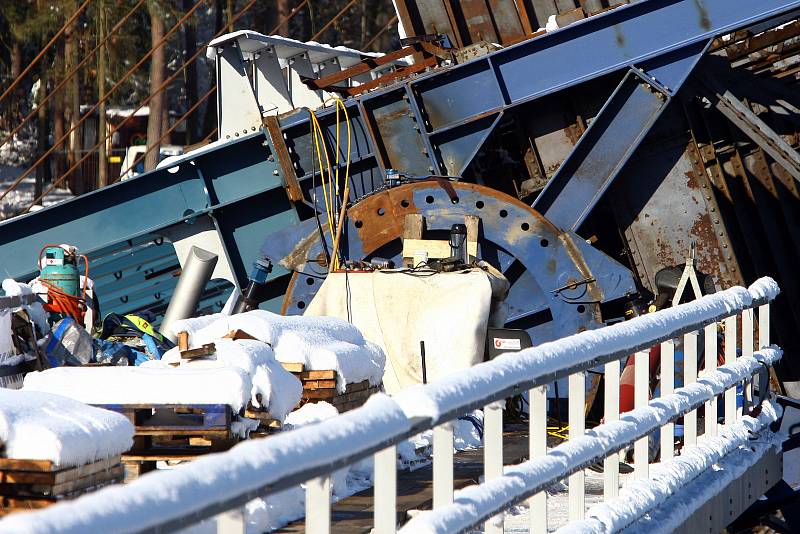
34, 484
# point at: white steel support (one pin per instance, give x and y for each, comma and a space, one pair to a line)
690, 377
577, 426
538, 447
443, 465
611, 411
730, 357
710, 349
493, 455
641, 383
231, 522
318, 505
667, 388
385, 500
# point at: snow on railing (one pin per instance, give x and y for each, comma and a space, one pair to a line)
221, 484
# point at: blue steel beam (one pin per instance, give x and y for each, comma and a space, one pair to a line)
614, 135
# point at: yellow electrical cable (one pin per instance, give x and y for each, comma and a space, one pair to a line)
330, 180
346, 191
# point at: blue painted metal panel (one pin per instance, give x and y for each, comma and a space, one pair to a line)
622, 37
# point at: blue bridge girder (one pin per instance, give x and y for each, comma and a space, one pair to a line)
434, 123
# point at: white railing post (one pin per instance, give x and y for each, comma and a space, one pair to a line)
747, 347
710, 349
763, 326
577, 426
611, 413
385, 500
231, 522
318, 505
641, 384
690, 377
730, 357
443, 465
493, 455
763, 335
667, 388
537, 421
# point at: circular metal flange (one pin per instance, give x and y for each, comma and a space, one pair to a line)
553, 292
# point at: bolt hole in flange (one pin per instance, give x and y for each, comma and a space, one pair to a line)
310, 281
479, 204
381, 212
544, 242
404, 203
581, 308
503, 214
359, 224
301, 304
429, 199
525, 227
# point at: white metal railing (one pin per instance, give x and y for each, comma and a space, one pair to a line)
222, 483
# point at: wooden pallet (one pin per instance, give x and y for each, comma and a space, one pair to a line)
34, 484
207, 420
174, 432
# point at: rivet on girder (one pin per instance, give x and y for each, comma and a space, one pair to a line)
236, 134
270, 158
275, 172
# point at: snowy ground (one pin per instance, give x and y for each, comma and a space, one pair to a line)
518, 518
22, 196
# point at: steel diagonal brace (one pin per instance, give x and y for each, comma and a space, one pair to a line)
613, 136
741, 116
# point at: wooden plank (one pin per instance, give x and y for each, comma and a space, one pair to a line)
293, 367
238, 334
319, 394
160, 455
113, 474
206, 350
319, 384
26, 465
56, 477
316, 375
182, 431
357, 386
183, 341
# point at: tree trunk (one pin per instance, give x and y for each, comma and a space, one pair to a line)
102, 156
43, 169
157, 67
229, 15
190, 75
283, 12
16, 69
58, 118
210, 117
72, 104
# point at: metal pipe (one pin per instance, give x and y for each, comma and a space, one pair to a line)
196, 273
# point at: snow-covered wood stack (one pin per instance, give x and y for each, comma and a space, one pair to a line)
321, 386
306, 359
54, 448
